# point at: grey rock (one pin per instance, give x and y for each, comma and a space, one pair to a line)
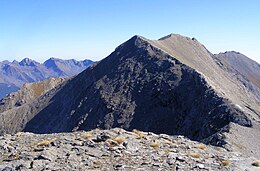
101, 138
180, 158
200, 166
171, 161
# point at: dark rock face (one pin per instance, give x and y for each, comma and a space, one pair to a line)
137, 86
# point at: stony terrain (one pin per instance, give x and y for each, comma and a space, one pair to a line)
115, 149
14, 74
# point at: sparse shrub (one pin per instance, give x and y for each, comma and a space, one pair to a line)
140, 134
119, 140
16, 157
11, 157
155, 144
201, 146
115, 141
45, 142
168, 142
87, 135
256, 164
225, 163
195, 155
97, 129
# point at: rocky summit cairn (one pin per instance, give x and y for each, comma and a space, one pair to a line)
170, 86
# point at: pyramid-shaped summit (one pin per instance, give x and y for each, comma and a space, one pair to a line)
141, 85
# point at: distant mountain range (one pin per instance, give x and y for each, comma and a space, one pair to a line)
14, 74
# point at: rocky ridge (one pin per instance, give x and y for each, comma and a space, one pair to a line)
162, 86
115, 149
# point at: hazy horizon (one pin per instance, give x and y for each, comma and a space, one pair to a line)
82, 29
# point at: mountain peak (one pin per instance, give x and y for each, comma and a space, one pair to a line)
28, 62
230, 52
52, 59
138, 39
175, 36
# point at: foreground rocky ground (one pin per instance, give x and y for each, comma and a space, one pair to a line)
115, 149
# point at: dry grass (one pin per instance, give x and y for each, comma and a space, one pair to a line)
119, 140
195, 155
140, 134
16, 157
115, 140
168, 142
87, 135
7, 157
38, 89
201, 146
45, 142
155, 144
96, 129
19, 133
256, 164
225, 163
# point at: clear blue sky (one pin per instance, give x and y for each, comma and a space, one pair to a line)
81, 29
